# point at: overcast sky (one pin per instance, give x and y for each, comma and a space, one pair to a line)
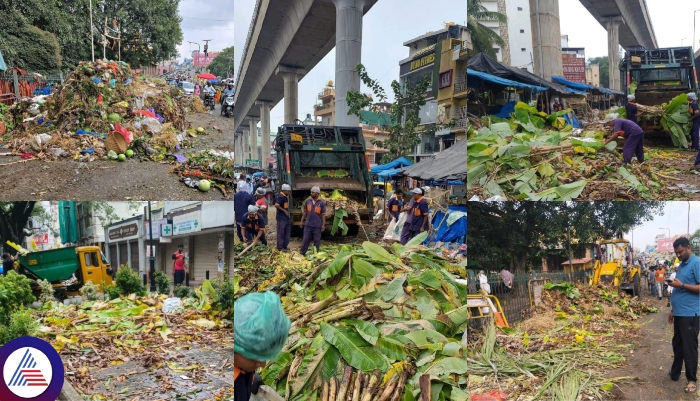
675, 218
385, 27
210, 19
672, 21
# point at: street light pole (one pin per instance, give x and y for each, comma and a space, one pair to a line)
152, 258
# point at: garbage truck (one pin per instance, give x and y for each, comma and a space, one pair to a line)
67, 269
328, 157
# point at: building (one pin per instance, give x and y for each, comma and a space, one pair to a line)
424, 51
517, 32
374, 124
593, 75
205, 229
452, 92
82, 223
44, 229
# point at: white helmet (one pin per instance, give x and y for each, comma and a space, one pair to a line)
286, 187
610, 117
260, 191
630, 98
693, 96
315, 190
252, 209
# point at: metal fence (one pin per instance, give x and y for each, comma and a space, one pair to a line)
14, 87
516, 300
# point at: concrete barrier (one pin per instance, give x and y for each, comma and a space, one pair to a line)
68, 393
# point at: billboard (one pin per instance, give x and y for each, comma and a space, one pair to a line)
574, 63
200, 60
664, 244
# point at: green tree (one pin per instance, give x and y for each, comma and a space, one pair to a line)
222, 65
403, 137
483, 37
13, 220
604, 66
518, 234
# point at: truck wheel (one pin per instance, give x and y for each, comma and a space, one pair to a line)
297, 231
353, 229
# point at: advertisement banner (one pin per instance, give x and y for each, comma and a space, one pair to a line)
574, 63
664, 245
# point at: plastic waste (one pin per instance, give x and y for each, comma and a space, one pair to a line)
171, 304
128, 81
128, 136
58, 152
144, 113
151, 125
492, 395
96, 80
112, 155
179, 158
83, 132
88, 151
112, 82
42, 139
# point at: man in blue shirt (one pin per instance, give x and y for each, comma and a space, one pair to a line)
418, 210
394, 205
633, 134
313, 220
631, 109
284, 225
685, 314
254, 226
241, 200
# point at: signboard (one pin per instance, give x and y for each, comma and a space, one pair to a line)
124, 232
664, 245
200, 60
252, 162
156, 228
41, 239
441, 114
187, 223
445, 79
166, 230
574, 63
422, 62
537, 293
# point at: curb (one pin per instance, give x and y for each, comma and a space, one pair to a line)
68, 393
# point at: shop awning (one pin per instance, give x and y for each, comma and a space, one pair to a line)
584, 87
484, 63
503, 81
400, 162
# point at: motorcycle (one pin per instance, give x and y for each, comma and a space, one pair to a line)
209, 101
227, 106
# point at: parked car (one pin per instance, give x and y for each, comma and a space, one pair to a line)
187, 87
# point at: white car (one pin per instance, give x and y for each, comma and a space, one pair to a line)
187, 87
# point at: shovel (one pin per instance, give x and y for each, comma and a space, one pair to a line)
248, 247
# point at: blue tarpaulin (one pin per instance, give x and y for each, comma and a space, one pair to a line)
501, 81
3, 66
583, 88
400, 162
394, 172
455, 232
506, 110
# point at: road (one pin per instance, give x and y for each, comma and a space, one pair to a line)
110, 180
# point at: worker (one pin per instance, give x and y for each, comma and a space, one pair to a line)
284, 224
660, 276
8, 263
260, 330
241, 200
695, 118
313, 220
685, 304
631, 109
254, 226
418, 209
633, 134
394, 205
261, 202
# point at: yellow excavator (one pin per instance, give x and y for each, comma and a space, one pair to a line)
615, 265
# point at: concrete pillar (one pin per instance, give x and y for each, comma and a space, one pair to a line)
546, 38
613, 27
253, 137
265, 130
348, 54
237, 148
246, 146
291, 92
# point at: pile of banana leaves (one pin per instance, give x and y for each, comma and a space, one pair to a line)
673, 116
374, 323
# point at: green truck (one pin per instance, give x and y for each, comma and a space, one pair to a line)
330, 158
67, 269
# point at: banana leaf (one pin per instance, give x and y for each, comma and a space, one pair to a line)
354, 349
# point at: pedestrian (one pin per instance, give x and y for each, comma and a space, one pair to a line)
179, 266
241, 201
633, 134
418, 209
8, 263
261, 202
631, 109
254, 226
660, 277
284, 224
685, 311
669, 289
394, 205
650, 279
695, 130
313, 220
249, 185
507, 278
241, 184
196, 90
260, 330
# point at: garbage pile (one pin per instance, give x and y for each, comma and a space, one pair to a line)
386, 323
538, 157
100, 334
101, 110
562, 352
201, 168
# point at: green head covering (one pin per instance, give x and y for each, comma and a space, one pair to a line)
260, 326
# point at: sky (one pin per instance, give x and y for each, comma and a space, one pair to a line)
672, 21
385, 28
675, 217
211, 19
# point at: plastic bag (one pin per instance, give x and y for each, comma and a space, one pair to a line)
171, 304
393, 232
128, 136
151, 125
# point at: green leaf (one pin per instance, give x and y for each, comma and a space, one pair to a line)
431, 278
421, 337
393, 289
330, 363
378, 253
274, 370
354, 350
611, 146
367, 330
425, 358
418, 239
545, 169
392, 347
364, 268
448, 365
606, 387
452, 349
336, 266
310, 365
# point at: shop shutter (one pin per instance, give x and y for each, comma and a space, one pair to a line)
113, 257
203, 257
135, 262
123, 254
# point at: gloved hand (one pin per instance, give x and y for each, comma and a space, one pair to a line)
257, 382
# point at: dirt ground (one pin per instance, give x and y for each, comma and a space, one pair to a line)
651, 361
687, 182
110, 180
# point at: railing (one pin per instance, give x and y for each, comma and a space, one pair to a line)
326, 92
461, 116
248, 37
14, 86
460, 82
324, 106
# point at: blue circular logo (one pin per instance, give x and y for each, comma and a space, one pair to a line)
31, 370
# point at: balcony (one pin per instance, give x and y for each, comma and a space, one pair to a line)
326, 93
460, 85
461, 116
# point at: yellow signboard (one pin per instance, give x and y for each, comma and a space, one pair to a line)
423, 61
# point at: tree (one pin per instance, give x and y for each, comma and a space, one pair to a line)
604, 66
13, 220
222, 65
483, 37
403, 114
518, 234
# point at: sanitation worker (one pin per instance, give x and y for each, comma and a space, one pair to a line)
394, 205
254, 226
685, 314
284, 224
633, 134
241, 200
631, 109
418, 210
313, 220
260, 329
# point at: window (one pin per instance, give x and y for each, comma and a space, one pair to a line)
522, 31
520, 9
522, 49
